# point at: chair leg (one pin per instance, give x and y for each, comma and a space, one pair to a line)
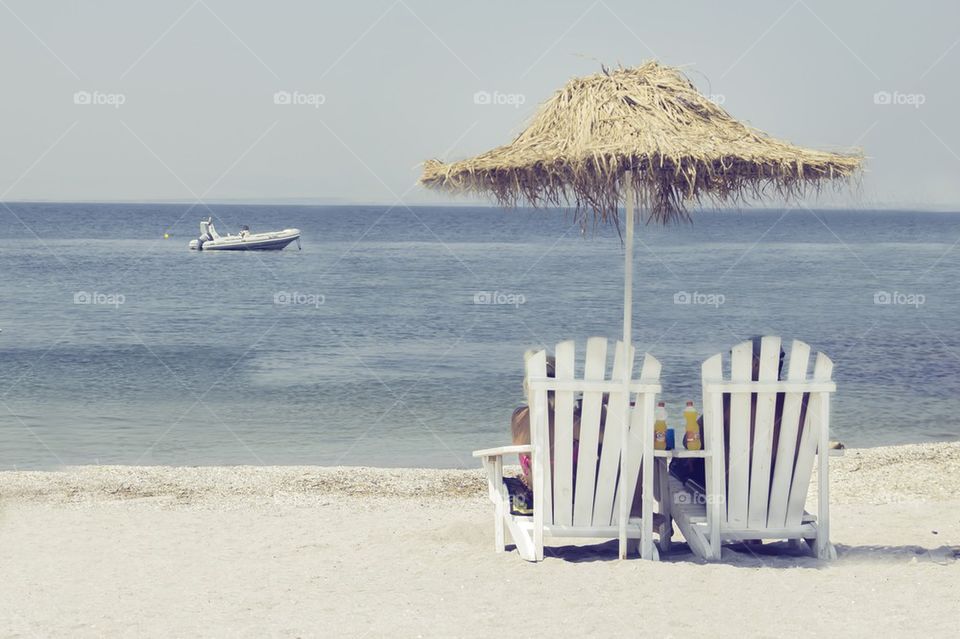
654, 551
499, 496
830, 552
665, 535
499, 510
499, 543
822, 548
527, 551
664, 499
715, 546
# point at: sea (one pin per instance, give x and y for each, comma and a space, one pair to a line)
395, 336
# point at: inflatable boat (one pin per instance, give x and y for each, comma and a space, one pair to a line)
210, 240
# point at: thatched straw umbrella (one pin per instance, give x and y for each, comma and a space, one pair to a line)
646, 138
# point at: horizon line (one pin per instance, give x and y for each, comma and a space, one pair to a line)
926, 207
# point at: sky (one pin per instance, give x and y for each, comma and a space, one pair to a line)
337, 102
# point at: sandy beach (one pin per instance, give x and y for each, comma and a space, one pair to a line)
309, 551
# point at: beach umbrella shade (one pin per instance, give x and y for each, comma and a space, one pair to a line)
643, 138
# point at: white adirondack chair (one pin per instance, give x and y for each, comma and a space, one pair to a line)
754, 491
593, 503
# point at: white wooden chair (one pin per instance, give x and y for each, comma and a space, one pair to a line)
753, 491
594, 502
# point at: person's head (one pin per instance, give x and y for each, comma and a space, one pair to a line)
757, 341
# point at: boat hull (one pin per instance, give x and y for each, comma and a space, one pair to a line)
257, 242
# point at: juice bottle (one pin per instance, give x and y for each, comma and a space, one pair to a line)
660, 427
691, 439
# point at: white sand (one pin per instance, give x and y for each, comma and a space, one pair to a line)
300, 552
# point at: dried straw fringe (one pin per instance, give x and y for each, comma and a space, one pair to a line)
679, 147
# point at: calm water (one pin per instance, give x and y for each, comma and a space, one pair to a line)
385, 359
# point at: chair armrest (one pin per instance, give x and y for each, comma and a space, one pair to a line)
503, 450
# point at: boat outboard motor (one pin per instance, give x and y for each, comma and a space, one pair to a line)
204, 233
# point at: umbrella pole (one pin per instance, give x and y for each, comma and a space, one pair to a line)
624, 512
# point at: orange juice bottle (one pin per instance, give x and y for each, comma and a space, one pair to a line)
660, 427
691, 439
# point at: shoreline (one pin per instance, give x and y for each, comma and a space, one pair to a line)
890, 474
